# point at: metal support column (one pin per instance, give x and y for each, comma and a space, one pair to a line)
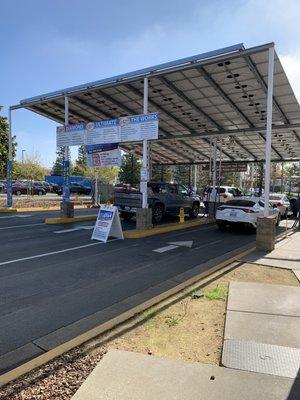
66, 162
269, 130
145, 167
9, 198
195, 177
214, 174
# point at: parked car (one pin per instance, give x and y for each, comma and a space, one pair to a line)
19, 188
163, 198
223, 193
282, 202
80, 189
46, 185
56, 189
243, 211
2, 186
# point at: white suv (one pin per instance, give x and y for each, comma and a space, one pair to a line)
223, 193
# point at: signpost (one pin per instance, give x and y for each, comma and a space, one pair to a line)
108, 224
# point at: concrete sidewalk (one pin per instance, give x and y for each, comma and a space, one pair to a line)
124, 375
286, 255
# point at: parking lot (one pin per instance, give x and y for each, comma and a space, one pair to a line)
55, 280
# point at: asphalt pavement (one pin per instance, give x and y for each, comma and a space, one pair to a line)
52, 276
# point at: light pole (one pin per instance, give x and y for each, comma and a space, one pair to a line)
23, 152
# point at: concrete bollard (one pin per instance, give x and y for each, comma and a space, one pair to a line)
66, 210
144, 219
266, 233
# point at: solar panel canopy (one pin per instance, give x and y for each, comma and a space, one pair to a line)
220, 94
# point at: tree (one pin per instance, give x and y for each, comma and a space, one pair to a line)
80, 168
182, 174
162, 173
4, 145
30, 169
130, 169
57, 168
291, 170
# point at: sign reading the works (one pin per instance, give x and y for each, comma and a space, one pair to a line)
124, 129
228, 167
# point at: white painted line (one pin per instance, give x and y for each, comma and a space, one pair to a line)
207, 244
88, 227
16, 216
20, 226
54, 252
200, 228
187, 243
166, 248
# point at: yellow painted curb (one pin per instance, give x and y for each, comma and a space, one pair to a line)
8, 210
53, 208
134, 234
70, 220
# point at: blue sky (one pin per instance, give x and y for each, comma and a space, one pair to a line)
51, 44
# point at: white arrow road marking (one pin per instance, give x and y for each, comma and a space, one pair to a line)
166, 248
188, 243
16, 216
88, 227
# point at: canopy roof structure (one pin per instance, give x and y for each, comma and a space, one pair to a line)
221, 94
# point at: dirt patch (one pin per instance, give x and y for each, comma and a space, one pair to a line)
192, 329
189, 329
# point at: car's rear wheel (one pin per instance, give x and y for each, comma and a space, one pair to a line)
126, 216
221, 225
157, 213
195, 210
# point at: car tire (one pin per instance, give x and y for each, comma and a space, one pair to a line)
194, 211
18, 193
157, 213
221, 226
40, 193
126, 216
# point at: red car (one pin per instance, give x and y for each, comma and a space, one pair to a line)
21, 188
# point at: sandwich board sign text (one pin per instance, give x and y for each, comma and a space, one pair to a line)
108, 224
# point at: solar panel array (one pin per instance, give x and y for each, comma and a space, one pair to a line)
221, 95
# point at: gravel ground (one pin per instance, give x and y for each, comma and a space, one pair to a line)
57, 380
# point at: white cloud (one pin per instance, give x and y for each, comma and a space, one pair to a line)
291, 65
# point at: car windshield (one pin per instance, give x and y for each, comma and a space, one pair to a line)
219, 190
241, 203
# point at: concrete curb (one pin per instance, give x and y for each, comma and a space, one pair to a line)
135, 234
53, 208
124, 310
8, 210
79, 218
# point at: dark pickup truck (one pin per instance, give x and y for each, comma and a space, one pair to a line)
163, 198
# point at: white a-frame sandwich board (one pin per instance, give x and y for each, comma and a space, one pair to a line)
108, 224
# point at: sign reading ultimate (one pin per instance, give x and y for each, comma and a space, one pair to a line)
123, 129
